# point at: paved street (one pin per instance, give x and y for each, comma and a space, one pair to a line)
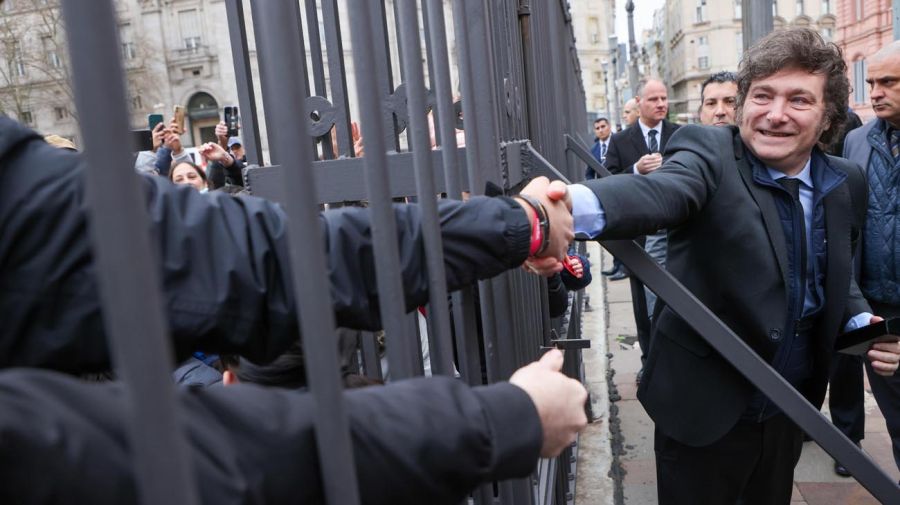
816, 482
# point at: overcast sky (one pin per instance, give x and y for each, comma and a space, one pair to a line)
643, 18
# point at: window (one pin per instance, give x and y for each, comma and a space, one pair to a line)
827, 33
860, 91
703, 40
774, 8
26, 117
594, 30
16, 59
700, 14
739, 44
800, 8
190, 29
738, 9
826, 7
129, 52
703, 62
137, 103
858, 9
60, 113
51, 51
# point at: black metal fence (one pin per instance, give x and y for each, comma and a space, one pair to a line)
518, 79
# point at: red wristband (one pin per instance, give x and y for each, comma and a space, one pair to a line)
537, 235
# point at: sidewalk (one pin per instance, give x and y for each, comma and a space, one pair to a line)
816, 482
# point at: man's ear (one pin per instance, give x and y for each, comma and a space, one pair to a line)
229, 378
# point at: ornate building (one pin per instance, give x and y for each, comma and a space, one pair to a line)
863, 27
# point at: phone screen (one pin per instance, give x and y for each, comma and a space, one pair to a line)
153, 120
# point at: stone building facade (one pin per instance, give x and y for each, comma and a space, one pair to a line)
863, 27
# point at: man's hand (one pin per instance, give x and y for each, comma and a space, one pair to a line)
214, 152
558, 399
648, 163
222, 134
884, 356
561, 224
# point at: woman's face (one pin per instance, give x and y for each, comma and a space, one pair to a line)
186, 174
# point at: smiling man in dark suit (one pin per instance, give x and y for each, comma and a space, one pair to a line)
762, 225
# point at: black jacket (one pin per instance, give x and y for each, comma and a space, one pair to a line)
627, 146
224, 261
727, 247
418, 441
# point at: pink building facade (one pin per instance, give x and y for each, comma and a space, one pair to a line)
863, 27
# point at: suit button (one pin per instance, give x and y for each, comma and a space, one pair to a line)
775, 334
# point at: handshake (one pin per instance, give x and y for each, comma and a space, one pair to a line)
549, 209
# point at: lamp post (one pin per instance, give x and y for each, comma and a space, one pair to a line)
608, 111
632, 50
614, 51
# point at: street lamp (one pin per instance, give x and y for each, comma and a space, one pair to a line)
605, 65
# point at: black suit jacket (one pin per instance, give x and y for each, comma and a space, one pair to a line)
727, 246
628, 145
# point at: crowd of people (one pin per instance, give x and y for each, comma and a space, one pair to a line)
788, 245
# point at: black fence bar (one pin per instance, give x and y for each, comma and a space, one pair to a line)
240, 55
133, 312
281, 73
337, 76
445, 118
318, 72
438, 315
384, 78
744, 359
400, 343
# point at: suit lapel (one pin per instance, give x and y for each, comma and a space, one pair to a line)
766, 202
638, 142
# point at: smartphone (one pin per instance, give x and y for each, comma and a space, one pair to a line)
153, 120
141, 140
179, 118
232, 120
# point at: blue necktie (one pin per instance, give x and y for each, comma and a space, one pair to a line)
602, 152
654, 147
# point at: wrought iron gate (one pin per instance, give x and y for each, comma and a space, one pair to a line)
502, 52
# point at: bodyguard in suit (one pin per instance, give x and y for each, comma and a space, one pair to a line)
602, 132
762, 225
637, 150
876, 146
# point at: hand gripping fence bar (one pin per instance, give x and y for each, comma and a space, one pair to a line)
739, 354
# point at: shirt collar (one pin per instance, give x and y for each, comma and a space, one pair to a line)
805, 175
645, 128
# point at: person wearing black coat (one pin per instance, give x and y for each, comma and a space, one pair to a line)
226, 286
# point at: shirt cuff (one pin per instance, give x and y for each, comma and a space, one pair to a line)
634, 169
587, 212
858, 321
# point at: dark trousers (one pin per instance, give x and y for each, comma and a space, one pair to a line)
753, 464
887, 389
846, 394
639, 307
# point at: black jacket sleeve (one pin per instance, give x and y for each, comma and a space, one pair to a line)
219, 175
417, 441
613, 156
223, 261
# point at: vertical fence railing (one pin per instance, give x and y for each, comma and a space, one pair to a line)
240, 56
502, 95
278, 39
133, 309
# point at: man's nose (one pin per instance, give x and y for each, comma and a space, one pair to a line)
776, 110
876, 92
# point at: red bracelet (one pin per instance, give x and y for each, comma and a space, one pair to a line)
537, 235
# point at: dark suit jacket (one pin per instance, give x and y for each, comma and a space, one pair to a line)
727, 246
628, 145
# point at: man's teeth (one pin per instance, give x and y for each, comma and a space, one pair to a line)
775, 134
